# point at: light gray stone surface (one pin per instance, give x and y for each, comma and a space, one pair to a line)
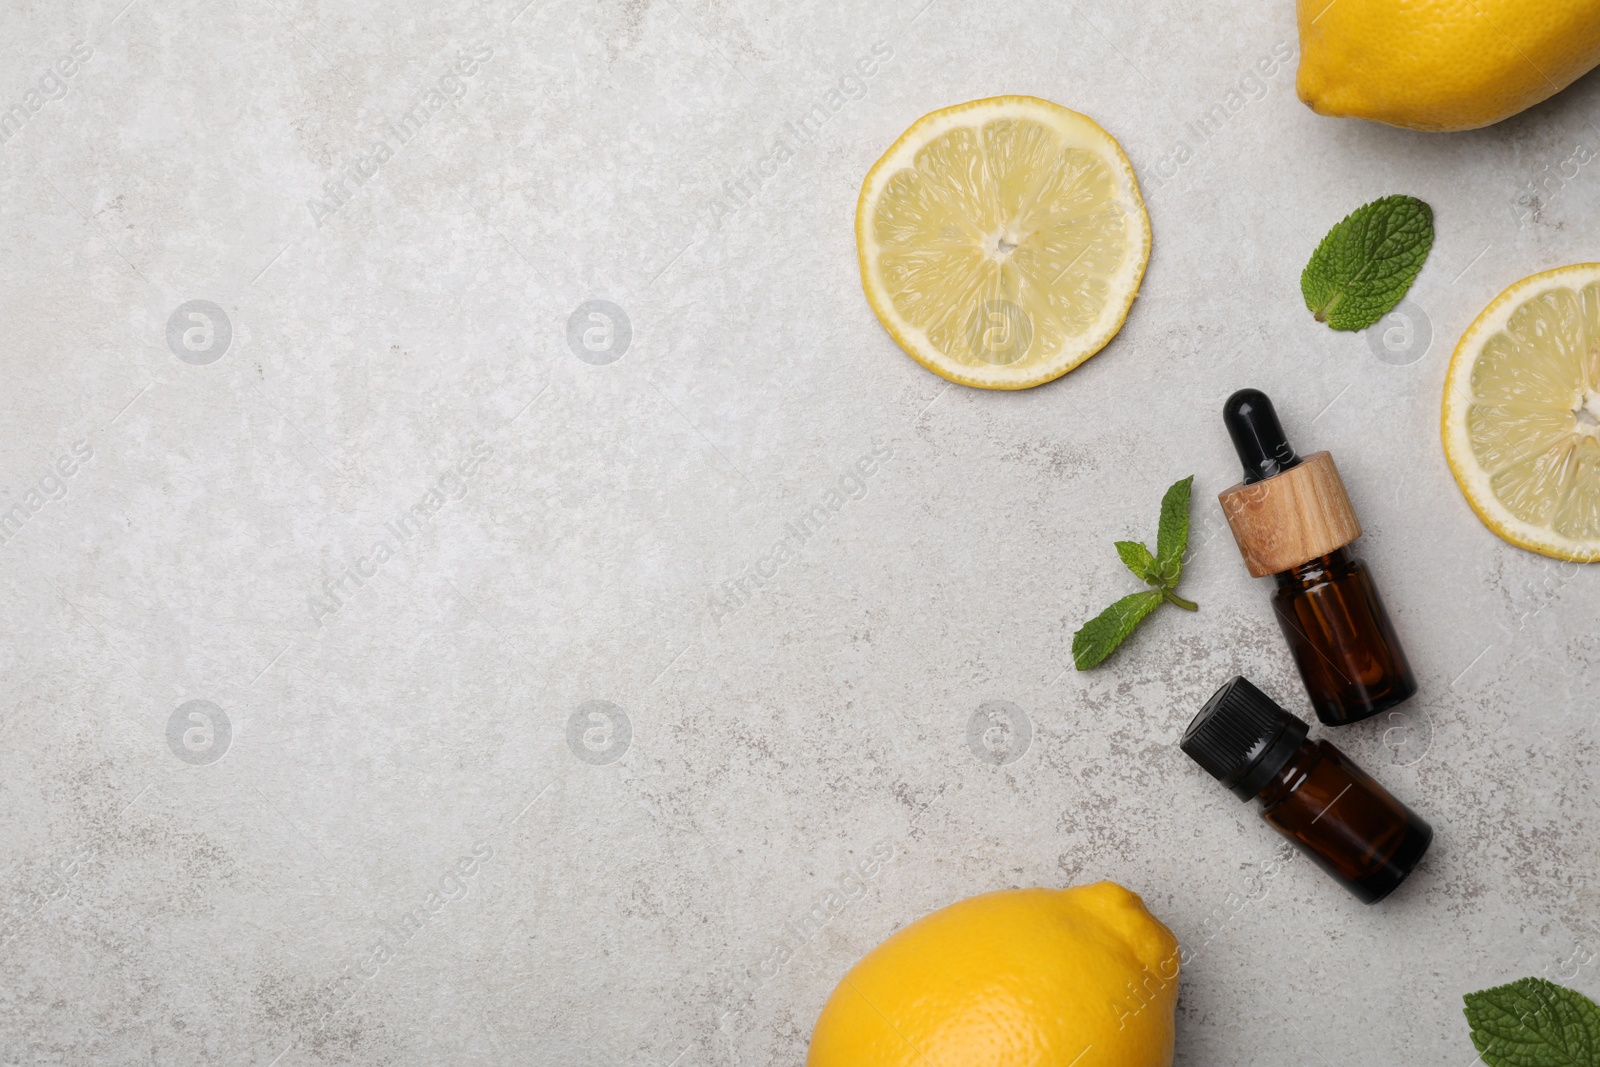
168, 906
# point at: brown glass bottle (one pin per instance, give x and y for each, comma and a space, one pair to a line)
1347, 651
1310, 792
1292, 518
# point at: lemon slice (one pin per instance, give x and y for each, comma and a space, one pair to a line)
1002, 241
1521, 412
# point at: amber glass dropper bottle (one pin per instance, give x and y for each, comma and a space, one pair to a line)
1310, 792
1292, 518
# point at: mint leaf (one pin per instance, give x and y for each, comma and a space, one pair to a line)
1172, 537
1534, 1023
1100, 636
1367, 262
1139, 560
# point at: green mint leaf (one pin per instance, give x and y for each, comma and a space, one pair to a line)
1367, 262
1101, 635
1139, 561
1172, 537
1534, 1023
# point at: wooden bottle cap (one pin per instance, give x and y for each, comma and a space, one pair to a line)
1283, 521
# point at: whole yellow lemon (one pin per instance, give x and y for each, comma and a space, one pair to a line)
1441, 64
1082, 977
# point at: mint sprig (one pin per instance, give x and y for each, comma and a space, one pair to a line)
1101, 635
1367, 262
1534, 1023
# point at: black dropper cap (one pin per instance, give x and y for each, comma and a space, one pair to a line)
1242, 738
1257, 435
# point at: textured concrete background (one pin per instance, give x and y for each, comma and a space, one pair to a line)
416, 727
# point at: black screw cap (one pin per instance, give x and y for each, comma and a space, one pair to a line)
1242, 737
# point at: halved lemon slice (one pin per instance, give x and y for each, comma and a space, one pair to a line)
1002, 241
1522, 413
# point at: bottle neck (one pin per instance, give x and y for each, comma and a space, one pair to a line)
1314, 571
1289, 777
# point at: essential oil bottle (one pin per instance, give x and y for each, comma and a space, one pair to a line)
1292, 518
1310, 792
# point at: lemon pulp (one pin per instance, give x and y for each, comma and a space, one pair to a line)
1522, 413
1002, 241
